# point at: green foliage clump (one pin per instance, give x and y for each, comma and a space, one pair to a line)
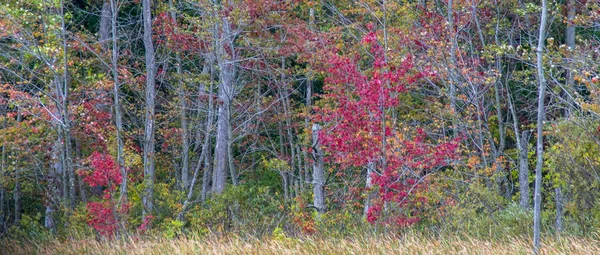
30, 227
254, 210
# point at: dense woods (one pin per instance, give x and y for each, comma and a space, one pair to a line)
269, 117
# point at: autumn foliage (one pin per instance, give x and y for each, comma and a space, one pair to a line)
104, 214
361, 131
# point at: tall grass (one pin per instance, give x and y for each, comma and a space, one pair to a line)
361, 244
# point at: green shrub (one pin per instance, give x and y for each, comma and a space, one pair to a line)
240, 209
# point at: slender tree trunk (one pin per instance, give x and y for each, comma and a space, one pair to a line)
205, 156
524, 169
559, 209
105, 23
53, 192
80, 182
221, 151
185, 144
301, 171
66, 127
309, 93
570, 41
117, 100
230, 159
17, 188
522, 140
17, 196
224, 37
501, 132
285, 103
48, 218
207, 145
318, 171
454, 65
540, 136
569, 87
3, 208
283, 172
286, 184
206, 151
206, 178
149, 123
368, 188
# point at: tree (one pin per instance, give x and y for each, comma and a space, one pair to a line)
318, 171
355, 113
540, 136
149, 154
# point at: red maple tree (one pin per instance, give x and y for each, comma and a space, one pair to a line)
360, 131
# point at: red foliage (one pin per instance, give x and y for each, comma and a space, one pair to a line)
176, 36
106, 171
104, 214
147, 221
358, 126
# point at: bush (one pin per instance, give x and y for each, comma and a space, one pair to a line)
240, 209
29, 228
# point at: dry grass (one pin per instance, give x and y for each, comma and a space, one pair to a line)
409, 244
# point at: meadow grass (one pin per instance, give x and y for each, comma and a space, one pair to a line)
360, 244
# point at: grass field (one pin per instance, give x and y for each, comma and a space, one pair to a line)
407, 244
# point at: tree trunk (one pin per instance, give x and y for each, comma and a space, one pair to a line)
205, 156
3, 208
301, 171
368, 188
105, 23
523, 151
224, 38
80, 182
569, 87
117, 100
230, 159
17, 196
53, 194
282, 151
66, 125
149, 122
453, 47
48, 218
185, 143
286, 184
285, 103
318, 171
206, 178
502, 134
309, 88
559, 209
540, 136
221, 150
17, 188
524, 169
207, 145
570, 41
